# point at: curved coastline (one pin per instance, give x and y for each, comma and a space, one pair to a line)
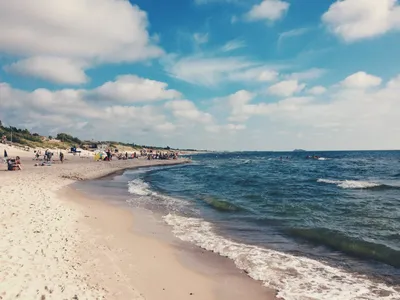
53, 245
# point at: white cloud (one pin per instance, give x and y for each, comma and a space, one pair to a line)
54, 69
166, 127
228, 128
242, 109
291, 33
286, 88
66, 102
205, 71
353, 20
316, 90
187, 110
90, 112
240, 98
93, 31
210, 71
313, 73
271, 10
257, 74
361, 80
341, 118
200, 38
233, 45
132, 89
394, 83
147, 115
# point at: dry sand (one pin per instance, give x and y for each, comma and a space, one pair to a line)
55, 248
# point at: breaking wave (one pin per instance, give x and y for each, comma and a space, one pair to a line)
355, 184
139, 187
151, 199
294, 277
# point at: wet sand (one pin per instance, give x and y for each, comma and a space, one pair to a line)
174, 269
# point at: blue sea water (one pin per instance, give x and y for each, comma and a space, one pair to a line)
326, 228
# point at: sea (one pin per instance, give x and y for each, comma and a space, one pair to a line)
323, 228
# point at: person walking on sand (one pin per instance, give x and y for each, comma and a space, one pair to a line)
62, 157
5, 154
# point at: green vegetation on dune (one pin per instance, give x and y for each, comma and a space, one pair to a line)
24, 137
20, 136
64, 137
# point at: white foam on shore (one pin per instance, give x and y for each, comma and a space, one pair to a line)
294, 277
139, 187
350, 184
146, 196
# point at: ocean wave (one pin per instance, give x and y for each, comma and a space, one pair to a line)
139, 187
294, 277
221, 205
354, 184
145, 197
354, 247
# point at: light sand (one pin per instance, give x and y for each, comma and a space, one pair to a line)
51, 248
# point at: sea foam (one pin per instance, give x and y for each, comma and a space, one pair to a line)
351, 184
294, 277
145, 196
139, 187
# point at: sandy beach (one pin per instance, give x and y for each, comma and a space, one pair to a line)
59, 244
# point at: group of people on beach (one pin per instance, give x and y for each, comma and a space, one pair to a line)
120, 156
48, 155
150, 155
160, 155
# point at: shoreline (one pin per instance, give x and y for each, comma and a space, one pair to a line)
177, 269
44, 239
273, 268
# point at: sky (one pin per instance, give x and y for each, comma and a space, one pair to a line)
205, 74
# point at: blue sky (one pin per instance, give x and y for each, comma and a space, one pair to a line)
216, 74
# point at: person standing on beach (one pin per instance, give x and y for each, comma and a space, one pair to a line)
108, 154
5, 154
62, 157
